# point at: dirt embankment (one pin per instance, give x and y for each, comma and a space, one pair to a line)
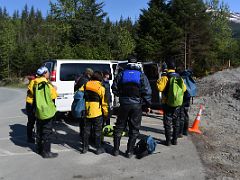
219, 145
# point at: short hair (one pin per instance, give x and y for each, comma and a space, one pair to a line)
89, 71
106, 72
97, 75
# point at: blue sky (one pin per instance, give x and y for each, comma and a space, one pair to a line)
114, 8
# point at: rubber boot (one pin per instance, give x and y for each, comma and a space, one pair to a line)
185, 128
46, 153
116, 142
99, 148
130, 147
39, 147
168, 137
30, 138
180, 134
175, 136
81, 128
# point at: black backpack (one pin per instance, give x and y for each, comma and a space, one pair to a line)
145, 146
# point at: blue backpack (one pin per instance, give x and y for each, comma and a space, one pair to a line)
190, 83
145, 146
131, 76
78, 105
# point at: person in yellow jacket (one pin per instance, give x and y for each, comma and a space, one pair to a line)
44, 127
30, 112
171, 114
96, 108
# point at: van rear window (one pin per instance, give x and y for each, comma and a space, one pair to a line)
69, 71
151, 71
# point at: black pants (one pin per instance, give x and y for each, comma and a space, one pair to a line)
96, 123
44, 133
31, 120
171, 120
81, 126
106, 120
184, 120
131, 115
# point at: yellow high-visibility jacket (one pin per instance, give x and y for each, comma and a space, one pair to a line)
29, 98
162, 83
33, 83
95, 109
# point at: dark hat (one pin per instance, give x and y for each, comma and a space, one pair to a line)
132, 59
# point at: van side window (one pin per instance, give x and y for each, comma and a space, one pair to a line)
68, 71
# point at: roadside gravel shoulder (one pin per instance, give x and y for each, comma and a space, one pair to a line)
218, 146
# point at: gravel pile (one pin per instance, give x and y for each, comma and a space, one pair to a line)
219, 145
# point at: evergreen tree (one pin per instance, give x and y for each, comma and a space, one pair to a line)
191, 17
223, 44
7, 45
156, 30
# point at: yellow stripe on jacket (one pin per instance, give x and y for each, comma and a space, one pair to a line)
93, 108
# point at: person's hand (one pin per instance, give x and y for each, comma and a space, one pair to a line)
148, 110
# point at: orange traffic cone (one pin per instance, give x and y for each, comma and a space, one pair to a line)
196, 122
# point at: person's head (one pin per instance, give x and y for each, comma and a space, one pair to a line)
164, 67
43, 72
89, 72
97, 75
171, 63
106, 74
132, 59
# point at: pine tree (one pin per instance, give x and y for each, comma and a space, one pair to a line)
156, 32
7, 45
223, 44
191, 17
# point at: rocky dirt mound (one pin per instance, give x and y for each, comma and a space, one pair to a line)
219, 145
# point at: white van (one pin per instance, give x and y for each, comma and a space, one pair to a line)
63, 73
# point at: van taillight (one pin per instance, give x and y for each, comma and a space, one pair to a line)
53, 76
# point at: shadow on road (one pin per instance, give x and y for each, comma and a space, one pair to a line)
155, 130
65, 136
18, 136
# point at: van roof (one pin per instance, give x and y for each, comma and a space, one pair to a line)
85, 61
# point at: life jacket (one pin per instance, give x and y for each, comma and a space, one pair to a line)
92, 92
130, 83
